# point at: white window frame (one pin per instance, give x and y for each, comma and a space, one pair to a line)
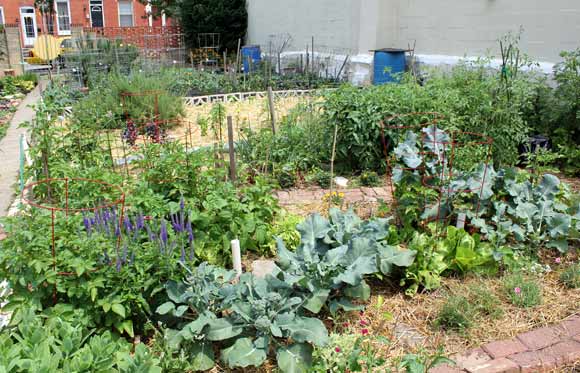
2, 19
132, 13
102, 11
58, 30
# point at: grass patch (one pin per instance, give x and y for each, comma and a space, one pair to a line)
521, 291
571, 276
456, 314
485, 302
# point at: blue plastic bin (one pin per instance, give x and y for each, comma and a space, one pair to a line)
388, 62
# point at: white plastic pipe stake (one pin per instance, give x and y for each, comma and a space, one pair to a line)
237, 257
461, 221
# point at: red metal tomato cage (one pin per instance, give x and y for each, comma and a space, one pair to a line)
63, 207
445, 159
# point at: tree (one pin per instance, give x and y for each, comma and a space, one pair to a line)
229, 18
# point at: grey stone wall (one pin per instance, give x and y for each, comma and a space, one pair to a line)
10, 46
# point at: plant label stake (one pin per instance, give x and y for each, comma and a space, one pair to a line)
272, 109
231, 150
461, 221
236, 257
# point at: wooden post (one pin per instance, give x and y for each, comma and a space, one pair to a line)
272, 110
236, 257
233, 173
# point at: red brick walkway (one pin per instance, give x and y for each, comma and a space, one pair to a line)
540, 350
315, 195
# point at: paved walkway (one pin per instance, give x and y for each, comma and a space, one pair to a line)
539, 350
315, 195
10, 150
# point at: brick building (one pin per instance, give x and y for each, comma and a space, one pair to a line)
71, 14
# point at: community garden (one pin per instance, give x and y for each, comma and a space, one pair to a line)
436, 225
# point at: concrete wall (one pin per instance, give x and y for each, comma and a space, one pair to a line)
11, 59
333, 23
440, 27
458, 27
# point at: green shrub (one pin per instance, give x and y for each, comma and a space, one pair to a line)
571, 276
456, 314
286, 176
485, 302
370, 179
521, 291
322, 178
104, 108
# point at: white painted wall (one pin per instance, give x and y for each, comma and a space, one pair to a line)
444, 30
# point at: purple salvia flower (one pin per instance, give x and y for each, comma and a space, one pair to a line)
118, 265
127, 224
87, 224
189, 231
191, 251
163, 233
150, 234
140, 222
124, 260
182, 258
117, 230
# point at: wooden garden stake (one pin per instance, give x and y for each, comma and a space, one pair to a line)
236, 257
332, 163
231, 150
272, 110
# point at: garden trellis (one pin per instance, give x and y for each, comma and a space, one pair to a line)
427, 159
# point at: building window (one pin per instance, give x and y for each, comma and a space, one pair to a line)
125, 13
63, 16
2, 16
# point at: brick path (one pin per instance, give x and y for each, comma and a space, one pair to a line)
315, 194
539, 350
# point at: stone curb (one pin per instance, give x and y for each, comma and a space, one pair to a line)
539, 350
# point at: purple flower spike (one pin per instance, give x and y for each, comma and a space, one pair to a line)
117, 230
127, 224
87, 224
182, 258
150, 234
163, 232
118, 266
182, 204
140, 222
189, 231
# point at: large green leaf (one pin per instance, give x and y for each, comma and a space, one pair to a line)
305, 329
390, 255
354, 273
244, 353
559, 225
362, 291
202, 356
317, 300
221, 329
312, 229
296, 358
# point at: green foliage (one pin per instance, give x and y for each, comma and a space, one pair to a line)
335, 255
485, 302
423, 362
11, 85
521, 291
103, 108
57, 342
322, 178
229, 18
571, 276
370, 179
455, 314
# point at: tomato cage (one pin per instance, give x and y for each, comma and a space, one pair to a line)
64, 197
436, 175
150, 107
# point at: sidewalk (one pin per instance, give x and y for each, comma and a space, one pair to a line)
10, 150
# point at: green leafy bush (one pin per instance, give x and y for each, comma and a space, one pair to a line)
56, 342
571, 276
103, 107
370, 179
522, 291
456, 314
